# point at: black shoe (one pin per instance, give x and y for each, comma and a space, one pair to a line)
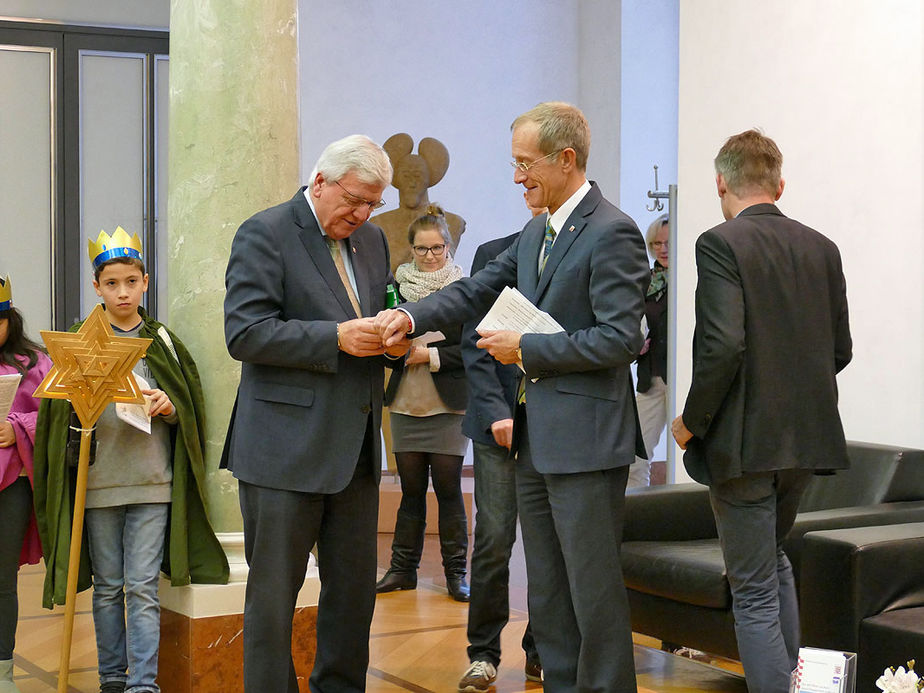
396, 581
112, 687
533, 670
458, 588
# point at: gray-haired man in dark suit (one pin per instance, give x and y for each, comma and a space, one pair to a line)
761, 416
302, 279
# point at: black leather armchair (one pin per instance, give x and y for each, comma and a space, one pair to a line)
673, 564
863, 591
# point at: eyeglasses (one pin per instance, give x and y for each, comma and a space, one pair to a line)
524, 167
422, 250
355, 201
658, 244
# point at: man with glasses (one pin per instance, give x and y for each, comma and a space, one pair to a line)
576, 430
302, 280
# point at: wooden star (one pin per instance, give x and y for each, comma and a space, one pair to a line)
92, 367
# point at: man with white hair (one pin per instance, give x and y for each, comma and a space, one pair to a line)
303, 280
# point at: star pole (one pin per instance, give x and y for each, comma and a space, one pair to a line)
91, 368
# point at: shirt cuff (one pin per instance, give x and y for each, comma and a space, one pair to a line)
410, 319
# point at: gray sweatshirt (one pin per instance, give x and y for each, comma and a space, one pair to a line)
131, 466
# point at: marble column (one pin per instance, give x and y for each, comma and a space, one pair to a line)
233, 150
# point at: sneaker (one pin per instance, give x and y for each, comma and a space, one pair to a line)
478, 678
533, 671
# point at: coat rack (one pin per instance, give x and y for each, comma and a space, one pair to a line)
656, 206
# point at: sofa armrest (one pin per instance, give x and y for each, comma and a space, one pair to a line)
843, 518
678, 512
849, 574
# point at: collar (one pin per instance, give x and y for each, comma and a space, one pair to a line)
562, 213
307, 195
760, 208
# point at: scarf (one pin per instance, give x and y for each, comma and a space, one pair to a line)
413, 284
658, 286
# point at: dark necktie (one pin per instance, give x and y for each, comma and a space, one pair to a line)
547, 244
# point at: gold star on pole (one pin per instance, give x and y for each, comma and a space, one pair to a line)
92, 367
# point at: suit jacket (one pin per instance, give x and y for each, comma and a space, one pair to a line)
579, 396
492, 385
771, 333
302, 406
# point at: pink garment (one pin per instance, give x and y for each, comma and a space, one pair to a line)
15, 458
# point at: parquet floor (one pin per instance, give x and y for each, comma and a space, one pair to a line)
418, 641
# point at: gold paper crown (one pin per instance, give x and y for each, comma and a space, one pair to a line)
6, 293
107, 247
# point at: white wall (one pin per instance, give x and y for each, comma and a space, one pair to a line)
458, 74
841, 93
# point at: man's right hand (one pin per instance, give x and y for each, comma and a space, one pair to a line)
359, 337
392, 326
503, 432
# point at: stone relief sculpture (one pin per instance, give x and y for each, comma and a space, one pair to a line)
414, 173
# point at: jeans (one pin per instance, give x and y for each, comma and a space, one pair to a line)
15, 512
126, 549
753, 514
495, 534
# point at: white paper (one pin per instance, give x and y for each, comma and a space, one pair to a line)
8, 385
513, 311
137, 415
820, 671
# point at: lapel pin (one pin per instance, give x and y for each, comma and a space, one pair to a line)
571, 230
353, 248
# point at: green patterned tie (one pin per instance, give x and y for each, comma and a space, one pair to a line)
546, 250
547, 245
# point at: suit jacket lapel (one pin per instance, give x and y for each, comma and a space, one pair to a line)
309, 233
528, 256
359, 260
569, 232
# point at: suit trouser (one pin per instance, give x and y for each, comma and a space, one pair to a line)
754, 513
579, 611
280, 528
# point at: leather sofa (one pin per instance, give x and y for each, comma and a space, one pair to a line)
863, 591
672, 562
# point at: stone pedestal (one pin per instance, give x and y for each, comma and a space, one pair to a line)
201, 630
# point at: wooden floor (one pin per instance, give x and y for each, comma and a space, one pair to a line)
418, 641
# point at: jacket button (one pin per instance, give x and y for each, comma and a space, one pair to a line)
365, 409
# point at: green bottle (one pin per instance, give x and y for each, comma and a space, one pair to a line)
391, 296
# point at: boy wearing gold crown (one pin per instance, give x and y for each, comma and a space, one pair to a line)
145, 511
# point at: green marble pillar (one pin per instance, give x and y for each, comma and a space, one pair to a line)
233, 150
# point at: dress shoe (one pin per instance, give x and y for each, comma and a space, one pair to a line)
396, 581
533, 670
458, 588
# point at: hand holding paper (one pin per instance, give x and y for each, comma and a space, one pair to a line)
512, 316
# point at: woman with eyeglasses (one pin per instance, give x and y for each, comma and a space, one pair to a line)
427, 400
652, 363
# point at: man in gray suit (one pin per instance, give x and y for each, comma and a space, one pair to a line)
304, 437
761, 416
577, 432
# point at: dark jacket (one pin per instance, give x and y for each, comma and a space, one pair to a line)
771, 333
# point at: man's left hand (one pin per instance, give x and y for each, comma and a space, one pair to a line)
501, 344
681, 433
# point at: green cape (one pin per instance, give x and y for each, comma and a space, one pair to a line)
191, 550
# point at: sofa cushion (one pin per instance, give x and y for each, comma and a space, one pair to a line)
692, 572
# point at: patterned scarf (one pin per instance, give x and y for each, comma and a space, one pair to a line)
413, 284
658, 286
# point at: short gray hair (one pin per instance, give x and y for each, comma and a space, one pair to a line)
356, 153
750, 162
561, 126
